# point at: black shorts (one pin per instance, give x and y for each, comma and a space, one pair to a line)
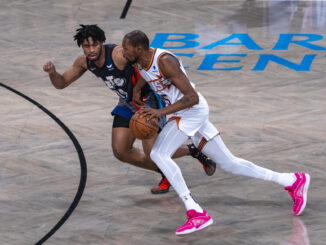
120, 122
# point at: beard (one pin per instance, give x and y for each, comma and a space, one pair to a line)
132, 62
97, 57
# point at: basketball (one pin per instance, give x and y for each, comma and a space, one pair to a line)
143, 128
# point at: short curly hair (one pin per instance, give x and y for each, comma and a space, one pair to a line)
86, 31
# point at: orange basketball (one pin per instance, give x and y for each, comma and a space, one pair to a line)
143, 128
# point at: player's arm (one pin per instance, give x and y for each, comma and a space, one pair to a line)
170, 68
136, 93
69, 76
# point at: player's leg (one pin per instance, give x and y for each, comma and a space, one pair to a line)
296, 183
164, 185
217, 150
123, 149
167, 142
208, 164
184, 150
122, 145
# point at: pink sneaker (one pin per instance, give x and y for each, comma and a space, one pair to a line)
196, 221
298, 192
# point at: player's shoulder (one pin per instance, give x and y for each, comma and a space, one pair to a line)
112, 46
81, 62
117, 47
167, 59
118, 57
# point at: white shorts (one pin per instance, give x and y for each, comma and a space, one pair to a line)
195, 120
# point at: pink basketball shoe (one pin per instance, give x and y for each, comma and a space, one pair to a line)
298, 192
196, 221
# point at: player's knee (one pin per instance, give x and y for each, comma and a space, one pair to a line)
229, 165
120, 154
147, 159
156, 156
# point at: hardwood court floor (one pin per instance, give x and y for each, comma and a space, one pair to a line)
274, 117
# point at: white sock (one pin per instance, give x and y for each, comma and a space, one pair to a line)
285, 179
190, 203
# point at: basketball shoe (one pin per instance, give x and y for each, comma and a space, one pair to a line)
162, 187
208, 165
298, 192
196, 221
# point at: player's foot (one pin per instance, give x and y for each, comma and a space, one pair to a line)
162, 187
298, 192
208, 165
196, 221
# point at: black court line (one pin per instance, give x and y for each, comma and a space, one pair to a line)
125, 9
83, 165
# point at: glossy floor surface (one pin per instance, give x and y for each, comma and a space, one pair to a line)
266, 90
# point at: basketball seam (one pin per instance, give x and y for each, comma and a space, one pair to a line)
142, 134
147, 125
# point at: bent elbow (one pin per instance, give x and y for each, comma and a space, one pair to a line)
196, 99
59, 86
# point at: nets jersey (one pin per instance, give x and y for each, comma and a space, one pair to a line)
160, 85
120, 81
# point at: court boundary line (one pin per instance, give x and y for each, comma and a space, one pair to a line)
125, 9
82, 160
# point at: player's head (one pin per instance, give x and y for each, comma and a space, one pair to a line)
86, 31
91, 38
134, 43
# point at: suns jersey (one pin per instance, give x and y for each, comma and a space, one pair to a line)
160, 85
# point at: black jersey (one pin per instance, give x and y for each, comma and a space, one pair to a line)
120, 81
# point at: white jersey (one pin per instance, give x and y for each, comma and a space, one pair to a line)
162, 86
192, 121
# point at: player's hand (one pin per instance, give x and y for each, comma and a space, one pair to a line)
136, 99
49, 67
149, 112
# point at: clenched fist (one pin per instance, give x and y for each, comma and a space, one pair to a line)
49, 67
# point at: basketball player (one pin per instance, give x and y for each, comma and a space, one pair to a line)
107, 62
167, 77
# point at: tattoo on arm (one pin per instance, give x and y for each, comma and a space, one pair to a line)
184, 100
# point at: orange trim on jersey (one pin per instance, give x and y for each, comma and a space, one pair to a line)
177, 119
158, 59
151, 62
